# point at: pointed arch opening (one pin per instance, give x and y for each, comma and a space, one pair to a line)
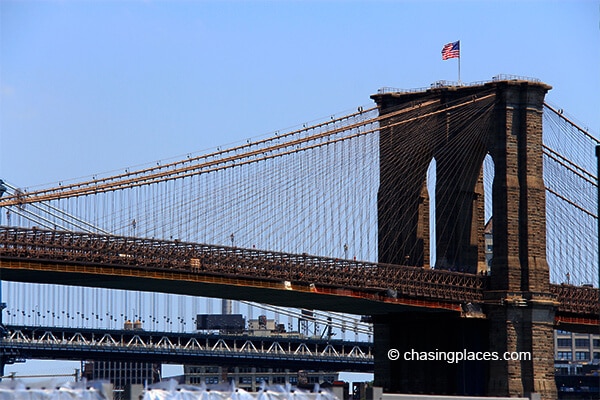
488, 180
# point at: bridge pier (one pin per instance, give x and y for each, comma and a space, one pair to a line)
522, 331
519, 306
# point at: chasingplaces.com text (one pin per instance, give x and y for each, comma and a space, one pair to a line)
453, 357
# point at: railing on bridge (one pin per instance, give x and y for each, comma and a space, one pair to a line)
340, 276
151, 254
444, 83
577, 299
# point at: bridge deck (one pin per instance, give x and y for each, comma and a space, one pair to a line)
206, 270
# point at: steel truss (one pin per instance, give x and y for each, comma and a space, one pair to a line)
200, 348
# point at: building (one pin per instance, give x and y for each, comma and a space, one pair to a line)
573, 350
577, 365
121, 373
251, 378
489, 245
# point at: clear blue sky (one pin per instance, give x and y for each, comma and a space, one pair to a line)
88, 87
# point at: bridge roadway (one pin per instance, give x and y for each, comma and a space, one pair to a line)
292, 280
29, 342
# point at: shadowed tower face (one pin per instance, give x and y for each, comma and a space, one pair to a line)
453, 136
458, 127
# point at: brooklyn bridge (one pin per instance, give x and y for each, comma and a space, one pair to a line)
382, 212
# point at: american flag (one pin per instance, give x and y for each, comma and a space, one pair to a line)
451, 50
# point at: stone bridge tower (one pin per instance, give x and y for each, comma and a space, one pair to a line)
518, 305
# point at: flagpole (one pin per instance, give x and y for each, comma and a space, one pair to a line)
459, 51
459, 70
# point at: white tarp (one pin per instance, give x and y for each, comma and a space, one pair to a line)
15, 389
171, 391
